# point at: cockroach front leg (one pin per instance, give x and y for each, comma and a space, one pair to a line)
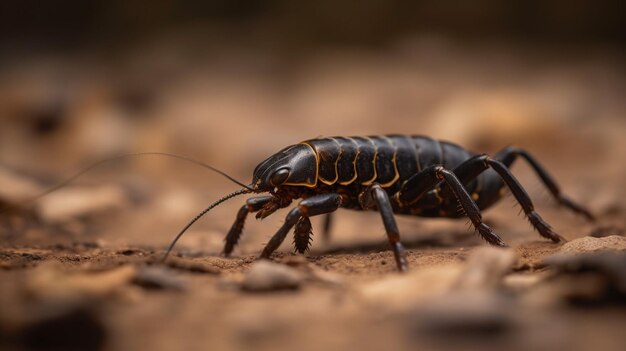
302, 235
254, 204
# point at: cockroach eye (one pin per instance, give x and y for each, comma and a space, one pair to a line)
279, 177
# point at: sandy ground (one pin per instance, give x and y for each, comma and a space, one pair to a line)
80, 270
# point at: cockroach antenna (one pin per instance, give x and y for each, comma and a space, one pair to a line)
120, 157
245, 190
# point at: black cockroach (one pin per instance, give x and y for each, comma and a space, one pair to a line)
412, 175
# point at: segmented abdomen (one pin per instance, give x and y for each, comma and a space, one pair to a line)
387, 160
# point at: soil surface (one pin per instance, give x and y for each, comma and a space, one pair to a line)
80, 268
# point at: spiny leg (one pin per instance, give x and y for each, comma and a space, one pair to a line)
253, 204
416, 186
375, 195
302, 235
478, 164
312, 206
524, 200
510, 154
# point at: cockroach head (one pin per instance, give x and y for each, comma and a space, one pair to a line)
295, 165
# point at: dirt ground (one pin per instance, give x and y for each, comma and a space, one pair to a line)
80, 267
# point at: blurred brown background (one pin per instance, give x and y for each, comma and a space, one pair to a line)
231, 82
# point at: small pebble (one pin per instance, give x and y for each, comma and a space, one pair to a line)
590, 244
597, 278
610, 264
463, 314
159, 278
269, 276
